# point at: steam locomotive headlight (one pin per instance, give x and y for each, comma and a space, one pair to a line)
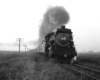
65, 55
63, 38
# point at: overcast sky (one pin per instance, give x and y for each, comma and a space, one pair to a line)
21, 19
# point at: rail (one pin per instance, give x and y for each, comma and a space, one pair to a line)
87, 70
82, 73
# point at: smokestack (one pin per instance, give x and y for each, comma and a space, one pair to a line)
53, 18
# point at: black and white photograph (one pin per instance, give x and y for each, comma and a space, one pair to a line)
49, 39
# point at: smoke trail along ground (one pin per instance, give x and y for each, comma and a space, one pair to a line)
53, 18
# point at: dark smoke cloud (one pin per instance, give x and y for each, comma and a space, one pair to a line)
53, 18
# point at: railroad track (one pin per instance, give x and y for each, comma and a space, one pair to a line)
93, 73
85, 73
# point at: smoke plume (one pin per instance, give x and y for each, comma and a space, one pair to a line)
53, 18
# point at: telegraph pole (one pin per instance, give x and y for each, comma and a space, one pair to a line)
25, 47
19, 44
28, 49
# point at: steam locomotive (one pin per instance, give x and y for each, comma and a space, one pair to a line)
59, 45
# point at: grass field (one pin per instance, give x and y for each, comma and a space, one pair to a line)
34, 67
37, 67
89, 59
6, 55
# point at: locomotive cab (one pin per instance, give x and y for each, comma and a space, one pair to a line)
48, 42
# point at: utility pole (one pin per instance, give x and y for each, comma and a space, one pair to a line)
28, 49
25, 47
19, 44
19, 41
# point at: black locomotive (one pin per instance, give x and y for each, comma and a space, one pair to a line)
59, 45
